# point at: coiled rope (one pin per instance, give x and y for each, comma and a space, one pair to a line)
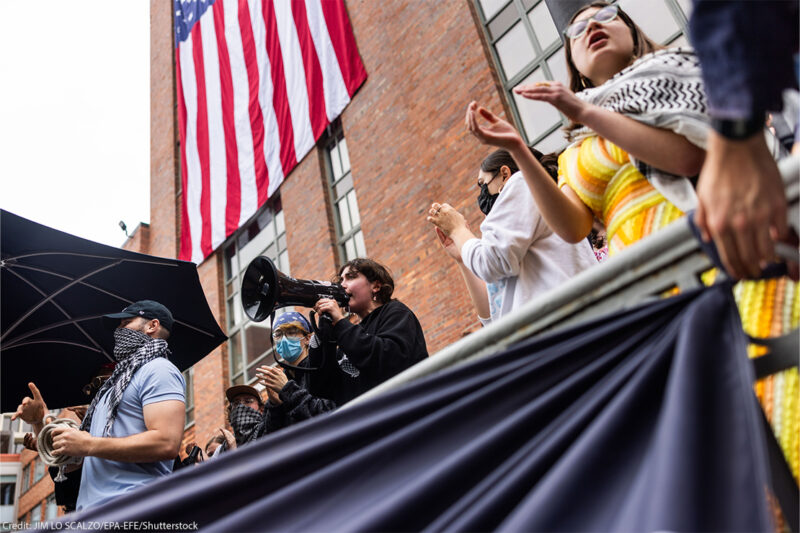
44, 443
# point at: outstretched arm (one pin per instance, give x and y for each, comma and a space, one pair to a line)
562, 210
659, 148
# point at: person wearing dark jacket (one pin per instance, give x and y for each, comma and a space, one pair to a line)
290, 401
354, 358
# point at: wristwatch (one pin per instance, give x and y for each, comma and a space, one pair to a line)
739, 129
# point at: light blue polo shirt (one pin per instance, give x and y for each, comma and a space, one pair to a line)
102, 479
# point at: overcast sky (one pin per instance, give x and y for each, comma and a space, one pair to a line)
74, 114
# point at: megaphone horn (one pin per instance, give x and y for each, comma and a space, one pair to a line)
265, 288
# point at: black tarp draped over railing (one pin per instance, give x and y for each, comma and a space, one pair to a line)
641, 421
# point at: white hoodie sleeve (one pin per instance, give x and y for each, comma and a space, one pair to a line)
507, 233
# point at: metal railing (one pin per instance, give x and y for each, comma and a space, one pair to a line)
670, 258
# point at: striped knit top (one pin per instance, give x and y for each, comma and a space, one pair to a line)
602, 175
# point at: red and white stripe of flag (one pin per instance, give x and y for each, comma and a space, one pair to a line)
258, 82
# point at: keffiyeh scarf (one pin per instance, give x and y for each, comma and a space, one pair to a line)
247, 423
344, 363
132, 349
665, 90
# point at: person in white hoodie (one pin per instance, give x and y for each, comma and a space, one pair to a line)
518, 257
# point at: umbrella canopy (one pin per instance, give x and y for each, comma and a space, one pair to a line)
55, 289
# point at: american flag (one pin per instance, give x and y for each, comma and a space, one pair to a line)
258, 81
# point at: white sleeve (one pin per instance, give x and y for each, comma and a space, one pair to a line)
507, 232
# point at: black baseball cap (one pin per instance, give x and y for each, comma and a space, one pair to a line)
148, 309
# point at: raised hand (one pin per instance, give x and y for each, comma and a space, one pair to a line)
330, 306
274, 397
494, 130
448, 245
557, 95
31, 410
273, 378
230, 440
29, 441
446, 218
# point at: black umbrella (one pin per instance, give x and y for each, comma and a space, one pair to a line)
55, 288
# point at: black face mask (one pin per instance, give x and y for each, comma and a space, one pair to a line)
486, 200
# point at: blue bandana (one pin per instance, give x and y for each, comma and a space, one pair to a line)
291, 316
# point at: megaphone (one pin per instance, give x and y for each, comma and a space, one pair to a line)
265, 288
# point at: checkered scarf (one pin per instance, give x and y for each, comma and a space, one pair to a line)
344, 363
132, 349
663, 89
245, 421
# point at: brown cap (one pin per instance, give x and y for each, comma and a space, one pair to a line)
236, 390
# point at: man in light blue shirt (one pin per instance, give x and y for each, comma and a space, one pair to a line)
133, 428
155, 383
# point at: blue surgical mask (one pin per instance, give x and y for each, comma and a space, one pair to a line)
289, 349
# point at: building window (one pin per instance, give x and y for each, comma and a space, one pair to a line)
249, 343
26, 478
38, 471
343, 195
8, 485
12, 433
188, 376
51, 509
526, 48
36, 514
6, 435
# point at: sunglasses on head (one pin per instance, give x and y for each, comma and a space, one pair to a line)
604, 15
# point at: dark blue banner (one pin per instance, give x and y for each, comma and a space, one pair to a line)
644, 421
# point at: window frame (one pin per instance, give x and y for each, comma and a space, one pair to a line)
50, 503
26, 478
39, 470
236, 330
188, 376
334, 137
9, 483
34, 518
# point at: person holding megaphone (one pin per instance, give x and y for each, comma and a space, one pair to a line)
353, 358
